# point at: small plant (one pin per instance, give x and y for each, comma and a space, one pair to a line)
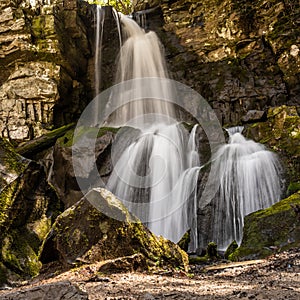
124, 6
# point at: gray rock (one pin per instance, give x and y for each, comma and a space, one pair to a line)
254, 115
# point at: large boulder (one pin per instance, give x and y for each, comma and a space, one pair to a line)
99, 227
271, 230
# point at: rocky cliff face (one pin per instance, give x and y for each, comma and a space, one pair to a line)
44, 52
238, 55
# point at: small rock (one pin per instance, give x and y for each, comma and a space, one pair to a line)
98, 278
253, 116
243, 295
147, 296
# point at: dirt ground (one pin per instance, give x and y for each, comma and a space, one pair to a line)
277, 277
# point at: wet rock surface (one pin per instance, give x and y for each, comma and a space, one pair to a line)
239, 56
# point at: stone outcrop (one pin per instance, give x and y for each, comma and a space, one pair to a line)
99, 227
270, 230
44, 52
62, 175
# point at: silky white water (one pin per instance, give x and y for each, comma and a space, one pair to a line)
156, 162
140, 56
100, 16
156, 174
249, 179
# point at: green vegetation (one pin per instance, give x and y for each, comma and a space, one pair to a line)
231, 248
124, 6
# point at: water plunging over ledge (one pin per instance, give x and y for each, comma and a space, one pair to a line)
160, 165
249, 180
156, 169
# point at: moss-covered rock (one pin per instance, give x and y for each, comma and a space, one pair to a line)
106, 230
12, 167
28, 207
63, 177
281, 132
18, 254
230, 249
270, 230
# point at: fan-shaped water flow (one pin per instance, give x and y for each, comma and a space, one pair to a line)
156, 173
249, 179
156, 177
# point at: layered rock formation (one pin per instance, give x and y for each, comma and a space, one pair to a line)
239, 56
44, 52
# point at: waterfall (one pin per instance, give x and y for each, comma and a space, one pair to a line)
155, 159
100, 16
140, 57
249, 180
155, 172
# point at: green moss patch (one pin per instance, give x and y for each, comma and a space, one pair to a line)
276, 228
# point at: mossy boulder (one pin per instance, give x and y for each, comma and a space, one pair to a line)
106, 230
63, 177
276, 228
28, 207
281, 132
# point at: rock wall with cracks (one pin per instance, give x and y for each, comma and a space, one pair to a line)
239, 55
44, 52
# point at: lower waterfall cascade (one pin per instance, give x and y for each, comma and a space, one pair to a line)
248, 180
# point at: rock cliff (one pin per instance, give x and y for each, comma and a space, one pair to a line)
44, 52
238, 55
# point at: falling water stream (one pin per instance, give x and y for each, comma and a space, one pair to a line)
156, 170
156, 174
249, 179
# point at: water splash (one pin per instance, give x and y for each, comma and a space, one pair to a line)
249, 179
